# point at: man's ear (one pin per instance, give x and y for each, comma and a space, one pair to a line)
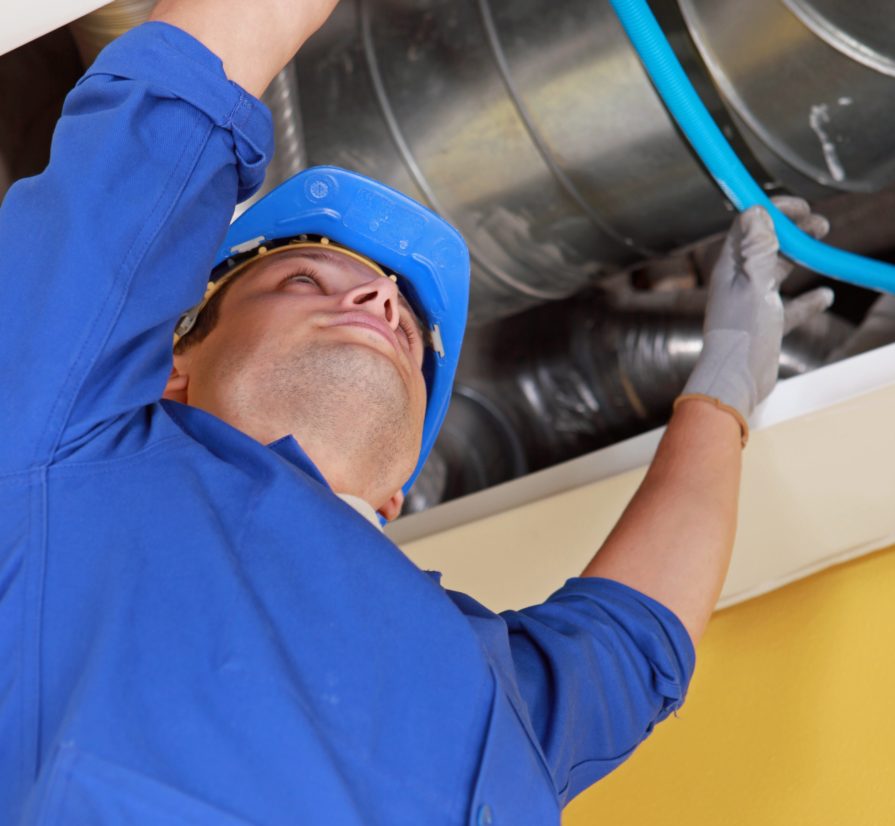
177, 386
392, 509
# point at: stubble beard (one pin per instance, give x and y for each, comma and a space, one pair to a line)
348, 396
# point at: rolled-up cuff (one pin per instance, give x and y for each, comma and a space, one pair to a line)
171, 60
658, 632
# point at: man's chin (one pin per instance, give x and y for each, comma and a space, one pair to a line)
351, 389
370, 359
363, 367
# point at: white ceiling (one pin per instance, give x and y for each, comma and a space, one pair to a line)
22, 22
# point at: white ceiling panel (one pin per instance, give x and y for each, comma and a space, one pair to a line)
21, 22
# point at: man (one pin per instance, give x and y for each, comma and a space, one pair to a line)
198, 621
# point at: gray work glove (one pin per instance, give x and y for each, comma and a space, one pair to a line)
745, 317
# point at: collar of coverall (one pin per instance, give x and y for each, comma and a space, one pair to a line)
363, 507
188, 320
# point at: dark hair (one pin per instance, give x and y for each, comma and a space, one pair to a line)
207, 320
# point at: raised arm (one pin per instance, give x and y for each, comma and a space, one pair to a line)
114, 240
255, 39
674, 541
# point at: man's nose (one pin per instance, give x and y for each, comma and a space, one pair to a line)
378, 296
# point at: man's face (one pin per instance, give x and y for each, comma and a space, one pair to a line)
314, 343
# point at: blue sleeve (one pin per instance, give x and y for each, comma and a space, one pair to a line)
597, 665
592, 670
114, 240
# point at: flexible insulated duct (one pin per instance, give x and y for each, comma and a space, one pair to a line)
454, 469
574, 376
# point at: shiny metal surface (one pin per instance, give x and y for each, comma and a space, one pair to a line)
807, 107
876, 330
864, 30
531, 126
478, 447
598, 370
289, 155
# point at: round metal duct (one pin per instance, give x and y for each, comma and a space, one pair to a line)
808, 84
532, 126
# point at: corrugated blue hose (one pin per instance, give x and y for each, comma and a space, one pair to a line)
722, 162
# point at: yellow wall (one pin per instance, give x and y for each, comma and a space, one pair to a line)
790, 717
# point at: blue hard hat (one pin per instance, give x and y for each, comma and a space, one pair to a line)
428, 256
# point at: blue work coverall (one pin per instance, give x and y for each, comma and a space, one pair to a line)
194, 629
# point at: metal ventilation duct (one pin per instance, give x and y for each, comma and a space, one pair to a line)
532, 126
809, 82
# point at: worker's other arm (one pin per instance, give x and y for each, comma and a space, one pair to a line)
254, 39
674, 541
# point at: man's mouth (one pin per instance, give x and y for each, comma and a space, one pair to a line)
370, 322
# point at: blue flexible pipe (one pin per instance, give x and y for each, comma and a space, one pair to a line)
722, 162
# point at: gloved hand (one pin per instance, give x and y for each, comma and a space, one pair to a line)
745, 317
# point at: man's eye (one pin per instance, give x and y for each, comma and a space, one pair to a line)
302, 278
